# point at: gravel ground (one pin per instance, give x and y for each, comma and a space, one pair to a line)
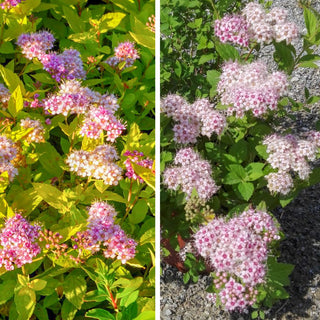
300, 222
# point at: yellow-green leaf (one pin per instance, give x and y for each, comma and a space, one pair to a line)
110, 21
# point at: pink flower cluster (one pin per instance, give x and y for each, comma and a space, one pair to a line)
98, 164
36, 44
256, 25
151, 24
4, 94
237, 250
7, 153
251, 87
101, 119
193, 120
191, 172
64, 66
103, 234
136, 157
37, 134
8, 4
232, 28
72, 98
125, 51
18, 242
289, 154
265, 27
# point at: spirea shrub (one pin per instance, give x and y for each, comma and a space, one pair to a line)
77, 220
225, 163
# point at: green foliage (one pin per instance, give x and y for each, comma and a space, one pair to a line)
191, 60
45, 192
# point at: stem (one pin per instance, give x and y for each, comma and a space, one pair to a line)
113, 301
247, 57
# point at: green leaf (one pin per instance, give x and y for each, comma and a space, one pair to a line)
73, 19
110, 21
205, 58
254, 171
100, 314
75, 287
246, 190
232, 178
16, 101
178, 69
311, 22
227, 51
43, 78
25, 301
146, 174
147, 41
262, 151
283, 55
254, 315
11, 79
38, 284
139, 212
213, 77
238, 170
49, 159
126, 5
51, 195
7, 290
26, 200
146, 315
279, 272
240, 150
6, 47
68, 310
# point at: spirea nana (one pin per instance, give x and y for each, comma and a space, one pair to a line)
103, 234
36, 44
250, 87
99, 120
289, 154
37, 134
18, 242
99, 164
190, 172
237, 251
124, 52
72, 98
64, 66
192, 120
255, 25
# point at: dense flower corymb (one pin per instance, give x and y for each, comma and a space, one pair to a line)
250, 87
18, 242
98, 164
289, 154
192, 120
36, 44
8, 4
191, 172
103, 234
99, 120
126, 52
255, 25
237, 250
37, 134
